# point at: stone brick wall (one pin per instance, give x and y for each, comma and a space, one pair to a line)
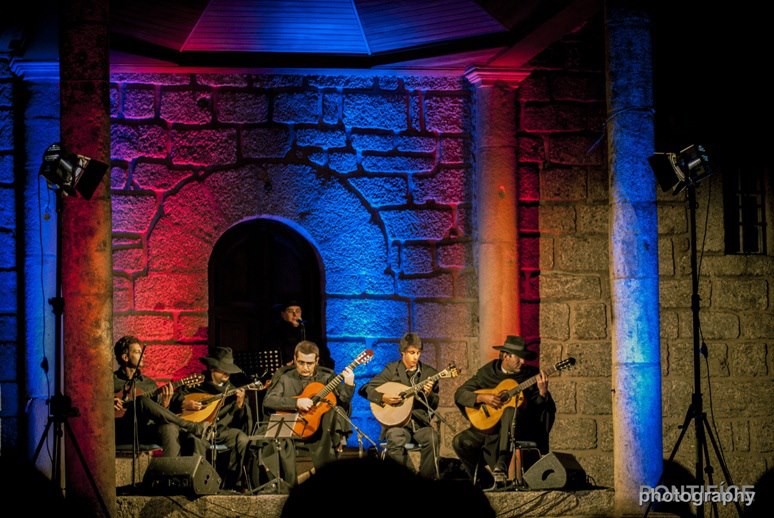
374, 170
563, 221
9, 311
563, 240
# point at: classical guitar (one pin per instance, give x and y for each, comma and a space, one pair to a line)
324, 398
398, 415
484, 417
211, 402
126, 394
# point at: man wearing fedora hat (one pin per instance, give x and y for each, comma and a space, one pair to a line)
233, 415
533, 419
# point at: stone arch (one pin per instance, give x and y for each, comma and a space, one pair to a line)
254, 266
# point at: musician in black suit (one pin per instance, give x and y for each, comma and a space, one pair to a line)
286, 393
410, 372
533, 419
290, 329
233, 417
155, 422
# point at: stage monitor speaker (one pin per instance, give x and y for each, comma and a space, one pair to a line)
555, 471
181, 476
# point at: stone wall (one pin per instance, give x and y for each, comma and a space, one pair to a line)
9, 308
563, 214
373, 170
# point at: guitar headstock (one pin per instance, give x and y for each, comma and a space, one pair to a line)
255, 385
450, 371
565, 364
363, 358
192, 380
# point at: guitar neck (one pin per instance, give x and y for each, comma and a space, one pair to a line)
531, 381
332, 384
416, 388
230, 392
155, 392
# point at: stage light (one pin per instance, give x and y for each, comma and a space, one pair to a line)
675, 171
71, 172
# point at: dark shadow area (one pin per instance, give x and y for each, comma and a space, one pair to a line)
677, 475
370, 483
21, 482
763, 503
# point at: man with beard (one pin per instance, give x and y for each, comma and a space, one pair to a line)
533, 419
230, 414
156, 423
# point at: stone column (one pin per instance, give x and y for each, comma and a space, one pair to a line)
495, 200
87, 255
637, 433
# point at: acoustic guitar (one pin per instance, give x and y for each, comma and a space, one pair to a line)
211, 403
484, 417
398, 415
324, 399
125, 395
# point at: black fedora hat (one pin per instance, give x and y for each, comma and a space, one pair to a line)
515, 345
222, 359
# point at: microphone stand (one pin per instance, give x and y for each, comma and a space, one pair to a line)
360, 433
441, 419
132, 384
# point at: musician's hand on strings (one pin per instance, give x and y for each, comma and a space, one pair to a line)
240, 397
542, 383
118, 404
192, 405
492, 400
391, 400
304, 404
349, 376
428, 387
166, 394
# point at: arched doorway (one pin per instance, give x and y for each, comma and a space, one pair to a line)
254, 267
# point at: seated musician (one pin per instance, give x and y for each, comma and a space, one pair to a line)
533, 419
293, 390
408, 372
230, 414
134, 393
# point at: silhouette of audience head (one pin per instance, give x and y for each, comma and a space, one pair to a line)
361, 482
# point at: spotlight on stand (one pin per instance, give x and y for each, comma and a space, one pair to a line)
678, 172
674, 171
70, 172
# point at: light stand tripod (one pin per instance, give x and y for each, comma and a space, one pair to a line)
60, 406
695, 411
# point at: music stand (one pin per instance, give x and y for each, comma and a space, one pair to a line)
280, 427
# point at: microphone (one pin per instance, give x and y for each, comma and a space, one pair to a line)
302, 322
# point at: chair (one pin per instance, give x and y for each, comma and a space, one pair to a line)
516, 469
409, 446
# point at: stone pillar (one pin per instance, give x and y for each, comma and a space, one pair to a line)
637, 443
40, 90
87, 255
495, 199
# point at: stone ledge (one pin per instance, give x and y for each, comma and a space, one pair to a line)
555, 504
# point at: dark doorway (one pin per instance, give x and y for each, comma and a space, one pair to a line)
254, 267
